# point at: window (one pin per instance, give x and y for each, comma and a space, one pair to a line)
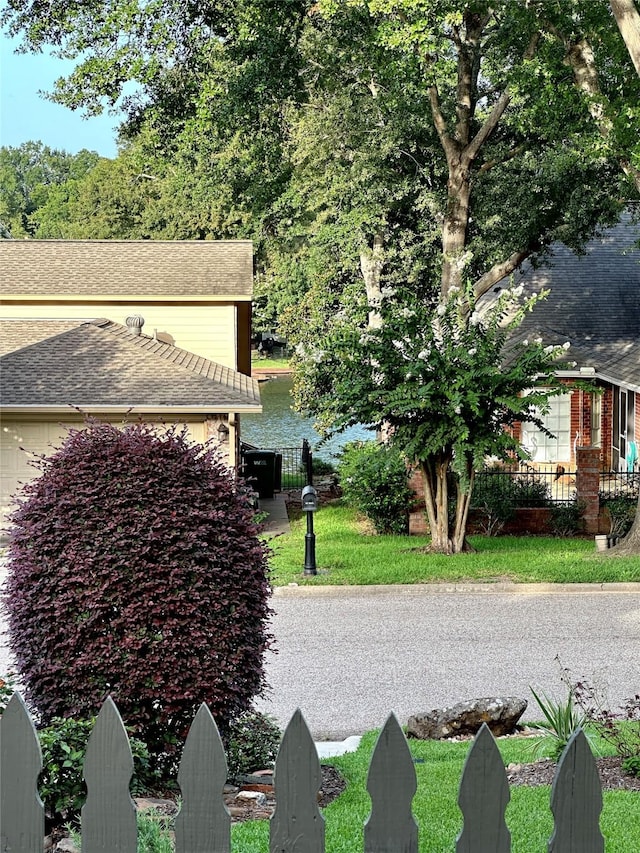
555, 448
596, 420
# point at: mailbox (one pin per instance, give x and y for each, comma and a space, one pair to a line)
309, 499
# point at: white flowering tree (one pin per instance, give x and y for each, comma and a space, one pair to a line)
443, 384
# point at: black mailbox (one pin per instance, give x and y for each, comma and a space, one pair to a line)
309, 499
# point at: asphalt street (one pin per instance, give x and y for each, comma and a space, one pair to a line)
349, 656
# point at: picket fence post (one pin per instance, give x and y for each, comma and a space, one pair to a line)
483, 798
297, 826
392, 784
204, 822
21, 809
576, 800
109, 813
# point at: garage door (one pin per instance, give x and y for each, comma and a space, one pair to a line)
19, 443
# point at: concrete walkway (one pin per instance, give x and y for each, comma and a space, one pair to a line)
278, 521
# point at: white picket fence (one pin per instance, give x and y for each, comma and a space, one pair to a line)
297, 826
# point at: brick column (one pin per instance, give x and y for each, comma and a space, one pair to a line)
588, 484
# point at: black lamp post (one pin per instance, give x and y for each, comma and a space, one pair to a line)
309, 505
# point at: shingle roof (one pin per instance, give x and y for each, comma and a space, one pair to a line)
594, 303
99, 363
189, 268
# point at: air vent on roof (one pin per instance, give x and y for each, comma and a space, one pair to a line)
135, 324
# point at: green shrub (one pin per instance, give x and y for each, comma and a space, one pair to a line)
566, 519
530, 491
622, 511
321, 466
374, 480
492, 498
62, 789
251, 743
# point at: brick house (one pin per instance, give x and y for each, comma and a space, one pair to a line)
594, 303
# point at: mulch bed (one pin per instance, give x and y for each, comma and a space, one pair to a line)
542, 772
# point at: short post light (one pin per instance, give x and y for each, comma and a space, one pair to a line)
309, 506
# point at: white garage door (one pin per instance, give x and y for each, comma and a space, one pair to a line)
20, 441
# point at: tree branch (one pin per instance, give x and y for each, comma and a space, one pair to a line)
499, 107
499, 271
450, 148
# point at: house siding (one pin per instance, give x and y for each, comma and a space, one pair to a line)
205, 329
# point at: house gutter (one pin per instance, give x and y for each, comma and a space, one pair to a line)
132, 409
603, 377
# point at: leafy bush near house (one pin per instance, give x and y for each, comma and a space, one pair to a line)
61, 786
565, 519
493, 500
251, 743
374, 480
135, 570
622, 511
530, 491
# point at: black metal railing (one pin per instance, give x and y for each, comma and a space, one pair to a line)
294, 464
616, 484
530, 488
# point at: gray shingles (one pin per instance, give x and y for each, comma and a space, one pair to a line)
76, 268
99, 363
594, 303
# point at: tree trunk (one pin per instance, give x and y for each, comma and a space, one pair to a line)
628, 20
454, 229
371, 265
447, 537
630, 545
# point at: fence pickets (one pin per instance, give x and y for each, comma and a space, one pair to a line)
483, 798
297, 826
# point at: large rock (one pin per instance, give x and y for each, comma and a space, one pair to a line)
500, 713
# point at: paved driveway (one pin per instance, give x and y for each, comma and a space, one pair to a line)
350, 656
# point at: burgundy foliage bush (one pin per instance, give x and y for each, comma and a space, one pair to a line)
135, 570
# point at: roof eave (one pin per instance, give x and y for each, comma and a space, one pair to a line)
96, 408
44, 298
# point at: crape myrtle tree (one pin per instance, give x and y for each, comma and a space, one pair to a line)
136, 571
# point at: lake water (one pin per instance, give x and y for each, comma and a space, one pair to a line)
280, 426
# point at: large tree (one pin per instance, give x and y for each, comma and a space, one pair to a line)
30, 175
442, 145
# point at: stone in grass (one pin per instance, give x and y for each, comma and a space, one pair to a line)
500, 713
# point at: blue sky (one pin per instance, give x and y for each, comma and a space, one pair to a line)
25, 115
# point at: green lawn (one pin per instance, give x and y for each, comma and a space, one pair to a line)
439, 770
346, 555
269, 363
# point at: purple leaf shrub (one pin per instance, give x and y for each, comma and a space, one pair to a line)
135, 570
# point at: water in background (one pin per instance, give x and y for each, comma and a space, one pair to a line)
280, 426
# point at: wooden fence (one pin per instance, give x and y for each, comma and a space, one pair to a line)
203, 824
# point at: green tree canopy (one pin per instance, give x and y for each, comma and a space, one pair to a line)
30, 175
